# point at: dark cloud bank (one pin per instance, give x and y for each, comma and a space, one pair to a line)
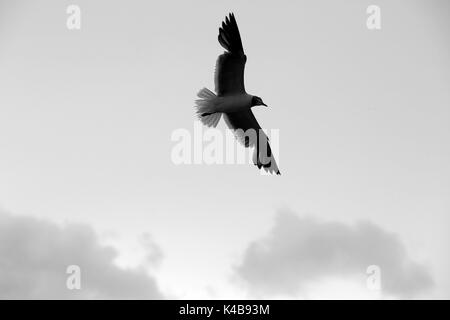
301, 251
34, 255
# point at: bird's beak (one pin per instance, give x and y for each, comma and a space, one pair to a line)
265, 105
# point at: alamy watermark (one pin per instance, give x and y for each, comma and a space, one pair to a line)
214, 146
373, 281
73, 21
73, 281
373, 21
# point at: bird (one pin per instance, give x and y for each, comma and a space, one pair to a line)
232, 101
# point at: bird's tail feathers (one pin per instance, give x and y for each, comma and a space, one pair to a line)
206, 107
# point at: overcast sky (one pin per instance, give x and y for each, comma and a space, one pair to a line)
86, 118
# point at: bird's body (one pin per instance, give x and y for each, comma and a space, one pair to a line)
232, 100
231, 103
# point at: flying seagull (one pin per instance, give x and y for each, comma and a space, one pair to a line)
233, 101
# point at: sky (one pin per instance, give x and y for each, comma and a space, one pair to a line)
87, 117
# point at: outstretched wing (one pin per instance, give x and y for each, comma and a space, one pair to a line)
229, 76
240, 123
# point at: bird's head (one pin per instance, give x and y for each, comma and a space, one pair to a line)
257, 101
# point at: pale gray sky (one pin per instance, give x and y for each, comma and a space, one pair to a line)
86, 119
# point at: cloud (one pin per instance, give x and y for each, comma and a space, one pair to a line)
35, 254
299, 252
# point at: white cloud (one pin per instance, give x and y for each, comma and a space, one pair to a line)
34, 255
301, 252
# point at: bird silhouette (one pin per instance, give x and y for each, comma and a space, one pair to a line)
232, 101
